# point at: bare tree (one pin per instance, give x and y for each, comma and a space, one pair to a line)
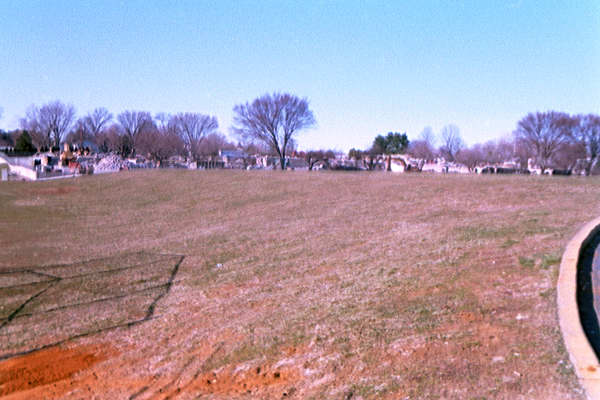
491, 152
421, 149
472, 157
488, 152
32, 124
587, 132
96, 120
160, 142
424, 146
132, 124
193, 128
58, 118
274, 120
103, 140
93, 127
505, 148
113, 139
255, 148
49, 123
568, 154
452, 142
214, 142
79, 134
162, 119
428, 136
544, 134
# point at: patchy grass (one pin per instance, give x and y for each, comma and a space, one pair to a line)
526, 262
367, 285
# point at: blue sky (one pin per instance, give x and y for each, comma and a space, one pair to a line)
367, 67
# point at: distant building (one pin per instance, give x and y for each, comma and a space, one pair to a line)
233, 158
232, 154
296, 163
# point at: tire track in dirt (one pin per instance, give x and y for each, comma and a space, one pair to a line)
55, 280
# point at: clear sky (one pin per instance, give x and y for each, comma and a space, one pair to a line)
367, 67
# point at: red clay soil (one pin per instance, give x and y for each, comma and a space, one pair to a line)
24, 376
57, 371
229, 382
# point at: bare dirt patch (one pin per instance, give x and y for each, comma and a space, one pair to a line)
44, 367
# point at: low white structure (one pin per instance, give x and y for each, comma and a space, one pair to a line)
3, 172
397, 165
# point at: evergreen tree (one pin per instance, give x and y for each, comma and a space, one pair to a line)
24, 143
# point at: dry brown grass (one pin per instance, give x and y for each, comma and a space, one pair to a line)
332, 285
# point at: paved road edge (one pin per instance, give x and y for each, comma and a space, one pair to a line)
583, 358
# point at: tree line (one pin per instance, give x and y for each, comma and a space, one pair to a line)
548, 139
129, 133
270, 125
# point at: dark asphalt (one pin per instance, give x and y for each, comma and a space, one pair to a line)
588, 291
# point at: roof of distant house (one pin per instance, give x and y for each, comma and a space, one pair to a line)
232, 153
90, 145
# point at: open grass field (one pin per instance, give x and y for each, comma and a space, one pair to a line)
252, 284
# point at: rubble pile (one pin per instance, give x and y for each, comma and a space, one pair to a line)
110, 163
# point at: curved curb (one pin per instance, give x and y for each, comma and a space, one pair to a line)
583, 357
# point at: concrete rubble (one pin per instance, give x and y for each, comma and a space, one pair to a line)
110, 163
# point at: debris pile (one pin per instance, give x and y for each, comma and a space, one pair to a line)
110, 163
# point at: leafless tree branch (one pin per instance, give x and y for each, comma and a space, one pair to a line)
274, 120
